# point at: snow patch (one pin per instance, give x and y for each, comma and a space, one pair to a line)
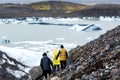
16, 73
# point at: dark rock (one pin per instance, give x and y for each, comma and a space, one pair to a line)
36, 72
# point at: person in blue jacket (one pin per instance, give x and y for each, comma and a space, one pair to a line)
46, 65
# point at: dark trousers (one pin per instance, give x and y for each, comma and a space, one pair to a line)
56, 67
45, 72
63, 64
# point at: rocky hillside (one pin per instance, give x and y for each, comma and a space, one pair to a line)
97, 60
11, 69
43, 9
99, 10
58, 9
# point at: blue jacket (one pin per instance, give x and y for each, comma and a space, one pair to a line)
46, 63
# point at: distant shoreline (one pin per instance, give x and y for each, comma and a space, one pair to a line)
60, 9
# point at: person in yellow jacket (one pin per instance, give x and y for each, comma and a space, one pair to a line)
56, 62
63, 57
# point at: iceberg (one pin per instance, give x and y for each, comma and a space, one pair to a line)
92, 27
85, 27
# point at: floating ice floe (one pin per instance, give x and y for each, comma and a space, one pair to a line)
86, 27
92, 27
50, 20
76, 27
107, 18
5, 40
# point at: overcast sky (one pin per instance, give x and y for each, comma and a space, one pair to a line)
76, 1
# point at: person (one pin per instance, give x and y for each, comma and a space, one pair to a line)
56, 62
63, 57
46, 65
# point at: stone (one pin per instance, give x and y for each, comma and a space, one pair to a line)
35, 72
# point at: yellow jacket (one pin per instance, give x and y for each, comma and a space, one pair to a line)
63, 54
55, 53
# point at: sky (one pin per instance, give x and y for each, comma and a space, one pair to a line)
75, 1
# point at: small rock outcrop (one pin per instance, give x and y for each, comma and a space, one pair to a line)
8, 66
35, 72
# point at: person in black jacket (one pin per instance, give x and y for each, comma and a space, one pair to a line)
46, 65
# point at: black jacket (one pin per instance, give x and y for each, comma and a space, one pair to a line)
46, 63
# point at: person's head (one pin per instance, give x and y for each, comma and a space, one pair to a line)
61, 46
44, 54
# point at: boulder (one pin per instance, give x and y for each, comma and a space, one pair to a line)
35, 72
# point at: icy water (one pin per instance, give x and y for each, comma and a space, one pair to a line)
56, 33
